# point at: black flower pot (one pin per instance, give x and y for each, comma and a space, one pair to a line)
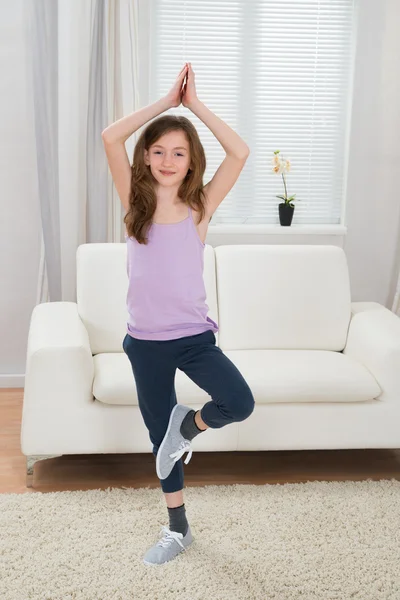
285, 213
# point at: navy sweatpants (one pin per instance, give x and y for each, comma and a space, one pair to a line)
154, 364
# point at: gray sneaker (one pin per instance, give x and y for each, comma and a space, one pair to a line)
171, 544
174, 445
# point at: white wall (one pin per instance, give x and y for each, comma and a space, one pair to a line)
372, 211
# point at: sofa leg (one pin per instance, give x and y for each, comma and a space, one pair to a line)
30, 462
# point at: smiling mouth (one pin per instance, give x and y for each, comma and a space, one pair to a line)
167, 172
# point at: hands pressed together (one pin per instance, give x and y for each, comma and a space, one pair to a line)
184, 89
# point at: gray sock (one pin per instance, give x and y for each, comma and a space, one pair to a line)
189, 429
177, 520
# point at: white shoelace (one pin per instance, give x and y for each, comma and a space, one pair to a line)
169, 536
185, 446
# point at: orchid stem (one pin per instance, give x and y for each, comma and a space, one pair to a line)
284, 183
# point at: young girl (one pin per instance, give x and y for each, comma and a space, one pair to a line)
167, 215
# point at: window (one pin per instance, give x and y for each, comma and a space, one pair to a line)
279, 72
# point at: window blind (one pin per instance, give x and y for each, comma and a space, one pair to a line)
279, 72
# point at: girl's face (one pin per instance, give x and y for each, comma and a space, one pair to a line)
170, 153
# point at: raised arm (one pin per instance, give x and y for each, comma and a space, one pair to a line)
114, 137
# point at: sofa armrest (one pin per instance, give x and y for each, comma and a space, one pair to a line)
373, 339
357, 307
59, 363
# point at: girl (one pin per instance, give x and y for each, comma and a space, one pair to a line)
167, 215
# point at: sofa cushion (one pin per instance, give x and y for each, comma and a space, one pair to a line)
273, 376
282, 297
304, 376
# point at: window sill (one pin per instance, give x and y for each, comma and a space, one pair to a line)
277, 229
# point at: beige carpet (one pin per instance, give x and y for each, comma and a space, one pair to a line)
318, 540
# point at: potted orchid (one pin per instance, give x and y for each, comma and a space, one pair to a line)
286, 209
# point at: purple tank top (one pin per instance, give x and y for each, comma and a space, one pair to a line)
166, 296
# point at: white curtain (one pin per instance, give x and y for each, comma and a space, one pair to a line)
396, 301
78, 52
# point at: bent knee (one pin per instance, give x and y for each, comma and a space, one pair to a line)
245, 406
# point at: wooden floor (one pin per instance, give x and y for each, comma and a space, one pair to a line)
100, 471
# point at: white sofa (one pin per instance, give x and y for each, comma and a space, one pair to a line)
324, 371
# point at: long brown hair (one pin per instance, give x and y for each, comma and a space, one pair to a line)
142, 199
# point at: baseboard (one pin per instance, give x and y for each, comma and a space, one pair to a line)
12, 381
